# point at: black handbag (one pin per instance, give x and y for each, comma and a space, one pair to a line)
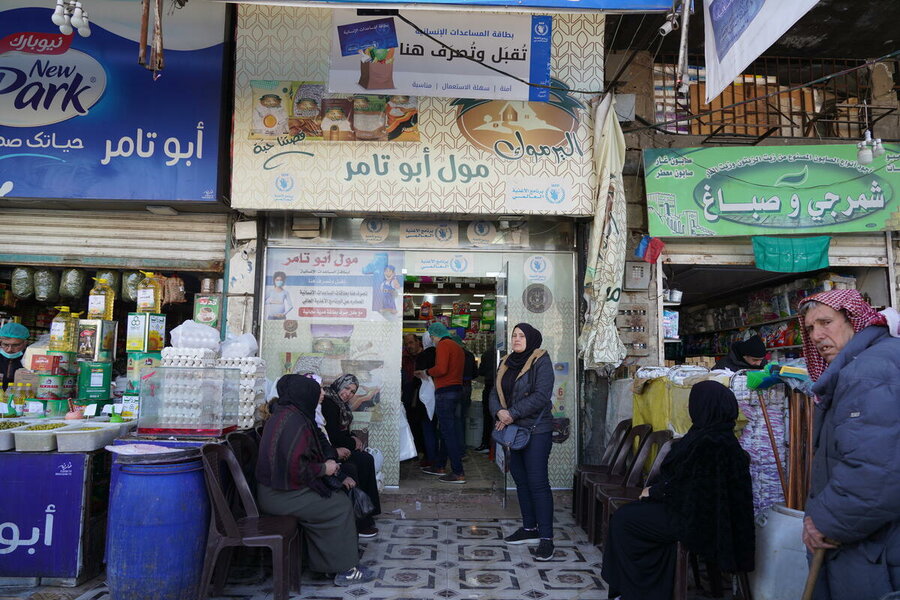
515, 437
362, 504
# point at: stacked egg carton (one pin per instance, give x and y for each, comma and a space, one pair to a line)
184, 389
253, 386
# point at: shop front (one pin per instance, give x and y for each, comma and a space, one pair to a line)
342, 306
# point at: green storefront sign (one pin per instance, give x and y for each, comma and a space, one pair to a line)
694, 192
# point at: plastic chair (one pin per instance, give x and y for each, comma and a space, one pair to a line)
633, 485
616, 474
609, 454
612, 450
245, 450
227, 531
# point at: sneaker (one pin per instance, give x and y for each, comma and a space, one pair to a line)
368, 532
523, 536
433, 471
354, 576
424, 464
544, 550
452, 478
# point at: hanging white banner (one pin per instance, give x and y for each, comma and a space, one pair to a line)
737, 32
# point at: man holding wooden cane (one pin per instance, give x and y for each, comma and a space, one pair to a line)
853, 510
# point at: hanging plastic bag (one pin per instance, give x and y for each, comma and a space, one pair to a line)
426, 396
362, 504
407, 443
173, 290
23, 282
130, 282
72, 284
377, 457
46, 285
112, 278
191, 334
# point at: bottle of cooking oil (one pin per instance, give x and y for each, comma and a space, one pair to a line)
149, 294
63, 331
101, 300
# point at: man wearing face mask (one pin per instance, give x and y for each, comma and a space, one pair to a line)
13, 339
278, 301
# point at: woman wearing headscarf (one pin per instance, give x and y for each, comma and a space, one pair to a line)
522, 395
702, 498
338, 420
852, 353
290, 473
746, 354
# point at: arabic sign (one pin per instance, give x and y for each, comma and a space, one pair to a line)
428, 234
79, 119
296, 111
616, 5
441, 264
469, 150
333, 284
41, 510
389, 54
738, 32
795, 189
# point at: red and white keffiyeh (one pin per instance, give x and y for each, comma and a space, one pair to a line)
858, 311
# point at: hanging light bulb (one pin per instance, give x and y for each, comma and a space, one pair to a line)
877, 148
85, 29
76, 16
59, 14
66, 27
864, 154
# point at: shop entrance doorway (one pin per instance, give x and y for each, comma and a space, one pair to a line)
474, 308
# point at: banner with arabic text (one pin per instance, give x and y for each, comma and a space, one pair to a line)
387, 55
695, 192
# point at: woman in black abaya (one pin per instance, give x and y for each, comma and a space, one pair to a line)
702, 498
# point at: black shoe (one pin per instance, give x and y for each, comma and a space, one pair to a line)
522, 536
544, 550
482, 450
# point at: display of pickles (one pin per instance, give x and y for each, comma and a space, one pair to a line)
10, 424
45, 426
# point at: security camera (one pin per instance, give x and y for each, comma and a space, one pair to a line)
670, 25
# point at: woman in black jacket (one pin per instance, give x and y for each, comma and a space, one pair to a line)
702, 498
522, 395
338, 420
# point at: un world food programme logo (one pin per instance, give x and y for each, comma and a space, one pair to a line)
459, 264
541, 29
555, 194
538, 265
284, 183
444, 233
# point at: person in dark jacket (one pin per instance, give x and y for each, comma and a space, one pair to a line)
338, 420
703, 498
13, 340
523, 395
747, 354
487, 368
290, 473
853, 509
470, 372
430, 437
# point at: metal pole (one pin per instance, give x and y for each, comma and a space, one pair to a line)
682, 46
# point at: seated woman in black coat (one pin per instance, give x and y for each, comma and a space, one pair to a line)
338, 419
702, 498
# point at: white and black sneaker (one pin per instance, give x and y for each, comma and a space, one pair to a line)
523, 536
354, 576
545, 550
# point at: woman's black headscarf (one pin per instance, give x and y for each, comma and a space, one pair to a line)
299, 391
705, 482
515, 361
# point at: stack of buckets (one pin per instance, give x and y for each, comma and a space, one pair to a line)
56, 381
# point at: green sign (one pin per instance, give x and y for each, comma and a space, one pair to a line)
694, 192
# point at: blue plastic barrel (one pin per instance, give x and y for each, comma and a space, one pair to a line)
156, 537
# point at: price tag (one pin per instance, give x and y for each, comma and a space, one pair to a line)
90, 410
4, 408
107, 410
34, 408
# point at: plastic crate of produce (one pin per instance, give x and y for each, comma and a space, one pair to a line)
7, 427
85, 437
39, 437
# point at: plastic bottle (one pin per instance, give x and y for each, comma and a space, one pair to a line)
10, 399
149, 294
62, 331
101, 300
21, 398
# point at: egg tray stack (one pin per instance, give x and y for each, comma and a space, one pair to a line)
182, 392
253, 386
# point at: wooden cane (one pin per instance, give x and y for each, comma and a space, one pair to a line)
765, 412
814, 568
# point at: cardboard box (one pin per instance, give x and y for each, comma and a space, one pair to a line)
208, 309
131, 403
96, 340
136, 362
45, 364
145, 332
94, 381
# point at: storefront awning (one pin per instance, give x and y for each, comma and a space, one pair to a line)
613, 6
